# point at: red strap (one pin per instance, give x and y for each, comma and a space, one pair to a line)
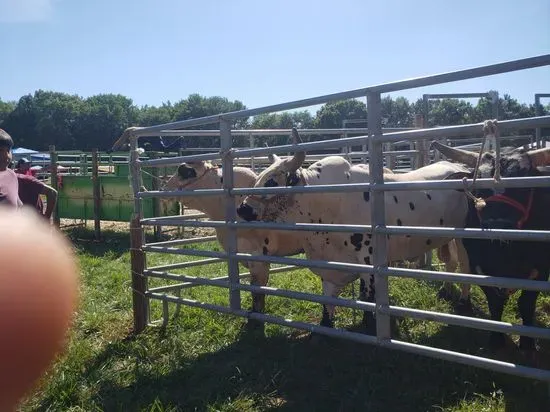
525, 210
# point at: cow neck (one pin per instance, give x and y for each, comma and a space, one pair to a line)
213, 206
306, 201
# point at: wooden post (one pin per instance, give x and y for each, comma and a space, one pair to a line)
97, 195
423, 157
139, 282
53, 178
181, 229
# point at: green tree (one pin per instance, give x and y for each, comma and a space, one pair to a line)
300, 119
396, 113
45, 118
199, 106
152, 115
447, 112
331, 115
5, 109
102, 120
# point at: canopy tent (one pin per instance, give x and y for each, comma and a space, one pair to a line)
22, 151
40, 156
32, 155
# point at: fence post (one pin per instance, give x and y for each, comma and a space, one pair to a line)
54, 183
538, 130
251, 144
97, 194
378, 216
157, 230
422, 145
139, 282
181, 229
230, 213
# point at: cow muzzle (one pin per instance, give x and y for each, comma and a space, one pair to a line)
247, 212
186, 172
498, 224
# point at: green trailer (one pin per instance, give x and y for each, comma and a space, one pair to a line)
116, 199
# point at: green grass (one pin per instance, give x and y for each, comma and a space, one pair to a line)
205, 361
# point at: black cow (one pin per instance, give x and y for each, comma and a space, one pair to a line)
512, 208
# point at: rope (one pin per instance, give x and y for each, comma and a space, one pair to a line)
152, 175
490, 129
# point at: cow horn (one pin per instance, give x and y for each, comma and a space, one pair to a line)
271, 157
299, 157
295, 136
124, 137
539, 157
463, 156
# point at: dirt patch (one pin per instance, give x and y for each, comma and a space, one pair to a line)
168, 231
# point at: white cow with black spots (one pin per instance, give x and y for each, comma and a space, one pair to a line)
411, 208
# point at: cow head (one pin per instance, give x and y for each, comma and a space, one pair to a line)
188, 174
282, 172
510, 208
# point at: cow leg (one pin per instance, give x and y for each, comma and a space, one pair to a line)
445, 255
362, 290
329, 289
368, 295
496, 299
464, 306
526, 304
259, 276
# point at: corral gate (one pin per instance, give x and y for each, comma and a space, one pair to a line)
379, 230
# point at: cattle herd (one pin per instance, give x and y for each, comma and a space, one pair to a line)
507, 208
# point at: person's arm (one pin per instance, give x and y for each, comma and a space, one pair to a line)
51, 199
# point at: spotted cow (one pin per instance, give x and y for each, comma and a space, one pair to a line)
416, 208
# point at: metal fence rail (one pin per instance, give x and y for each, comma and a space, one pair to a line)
375, 139
416, 134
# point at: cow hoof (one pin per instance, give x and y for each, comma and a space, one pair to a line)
497, 342
370, 329
317, 339
254, 328
464, 307
531, 357
326, 322
444, 294
254, 324
528, 350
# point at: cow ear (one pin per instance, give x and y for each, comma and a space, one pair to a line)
273, 157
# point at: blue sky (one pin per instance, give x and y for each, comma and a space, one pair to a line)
264, 52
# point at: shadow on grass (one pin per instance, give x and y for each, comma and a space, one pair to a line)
295, 373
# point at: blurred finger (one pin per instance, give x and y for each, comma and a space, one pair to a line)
38, 293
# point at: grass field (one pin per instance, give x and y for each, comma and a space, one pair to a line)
204, 361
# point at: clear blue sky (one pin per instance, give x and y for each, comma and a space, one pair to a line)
264, 52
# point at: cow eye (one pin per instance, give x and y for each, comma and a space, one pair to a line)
271, 183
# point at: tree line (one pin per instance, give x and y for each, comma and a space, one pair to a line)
71, 122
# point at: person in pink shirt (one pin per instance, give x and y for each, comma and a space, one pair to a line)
23, 167
9, 186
